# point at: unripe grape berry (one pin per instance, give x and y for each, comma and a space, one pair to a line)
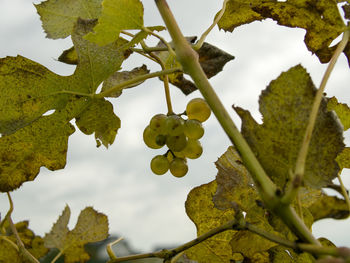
149, 137
198, 109
193, 129
178, 167
157, 123
160, 139
159, 164
174, 125
176, 143
193, 149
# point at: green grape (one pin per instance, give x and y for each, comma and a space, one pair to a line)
149, 137
160, 139
180, 154
159, 164
174, 125
157, 123
198, 109
193, 149
176, 143
193, 129
178, 167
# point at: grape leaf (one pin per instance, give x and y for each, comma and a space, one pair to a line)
117, 15
320, 19
201, 210
34, 244
346, 9
28, 90
100, 119
276, 142
59, 16
69, 56
343, 159
342, 110
122, 76
96, 63
59, 231
211, 58
281, 254
329, 207
91, 227
234, 186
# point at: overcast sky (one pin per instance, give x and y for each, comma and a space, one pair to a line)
146, 209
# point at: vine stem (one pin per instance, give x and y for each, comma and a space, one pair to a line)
167, 254
134, 81
20, 244
236, 224
188, 58
301, 159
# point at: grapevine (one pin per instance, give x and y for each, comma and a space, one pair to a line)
270, 183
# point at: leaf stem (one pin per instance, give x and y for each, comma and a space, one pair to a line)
167, 254
136, 80
267, 189
200, 42
343, 191
59, 254
292, 191
169, 48
20, 244
165, 83
110, 250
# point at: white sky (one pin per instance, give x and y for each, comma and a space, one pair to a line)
146, 209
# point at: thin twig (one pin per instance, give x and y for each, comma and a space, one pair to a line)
166, 84
167, 254
343, 191
200, 42
109, 249
301, 160
20, 244
170, 49
136, 80
59, 254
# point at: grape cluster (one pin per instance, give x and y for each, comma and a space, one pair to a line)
179, 135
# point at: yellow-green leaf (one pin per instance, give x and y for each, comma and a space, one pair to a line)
284, 106
8, 249
32, 139
122, 76
69, 56
343, 159
281, 254
42, 143
91, 227
59, 231
329, 207
59, 16
100, 119
235, 188
96, 63
201, 210
117, 15
321, 20
342, 110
